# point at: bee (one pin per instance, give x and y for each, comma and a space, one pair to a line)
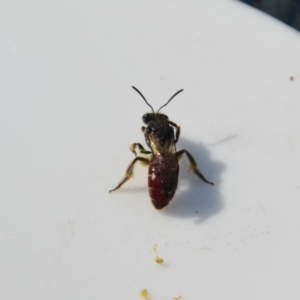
161, 136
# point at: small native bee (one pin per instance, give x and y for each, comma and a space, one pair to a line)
161, 136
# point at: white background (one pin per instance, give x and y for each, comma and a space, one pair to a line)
68, 115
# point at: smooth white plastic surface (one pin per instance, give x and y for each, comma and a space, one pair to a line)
68, 116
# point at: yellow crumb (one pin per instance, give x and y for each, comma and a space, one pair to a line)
144, 294
158, 260
177, 298
154, 247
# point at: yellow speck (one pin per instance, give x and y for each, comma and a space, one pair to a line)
154, 247
144, 294
177, 298
159, 260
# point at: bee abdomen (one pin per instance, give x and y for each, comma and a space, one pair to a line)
162, 180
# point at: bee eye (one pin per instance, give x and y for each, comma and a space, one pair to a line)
148, 117
145, 119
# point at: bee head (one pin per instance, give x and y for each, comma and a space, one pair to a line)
147, 118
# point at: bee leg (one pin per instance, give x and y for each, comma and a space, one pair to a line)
129, 171
193, 165
142, 150
177, 134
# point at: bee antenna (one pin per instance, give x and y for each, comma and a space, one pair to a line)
144, 98
170, 99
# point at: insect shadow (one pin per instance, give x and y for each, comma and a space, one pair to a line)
195, 198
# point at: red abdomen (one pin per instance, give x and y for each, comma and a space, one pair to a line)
162, 179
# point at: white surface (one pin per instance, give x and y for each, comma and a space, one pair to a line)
68, 115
